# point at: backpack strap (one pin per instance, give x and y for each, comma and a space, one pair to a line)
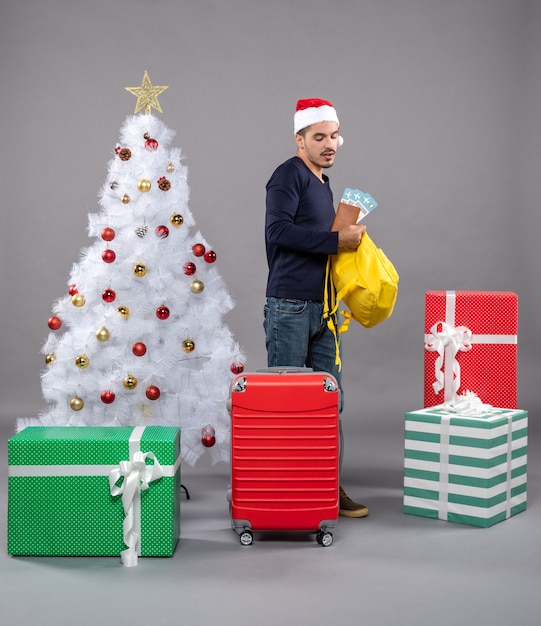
330, 306
345, 325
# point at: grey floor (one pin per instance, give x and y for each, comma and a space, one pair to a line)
387, 569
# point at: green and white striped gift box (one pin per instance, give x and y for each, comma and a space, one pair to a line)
69, 487
469, 470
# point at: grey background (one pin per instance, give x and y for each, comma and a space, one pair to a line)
439, 105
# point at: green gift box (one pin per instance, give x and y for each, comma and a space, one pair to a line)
465, 469
94, 491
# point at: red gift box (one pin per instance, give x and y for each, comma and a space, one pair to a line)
471, 345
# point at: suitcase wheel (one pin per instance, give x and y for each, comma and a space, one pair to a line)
246, 537
324, 538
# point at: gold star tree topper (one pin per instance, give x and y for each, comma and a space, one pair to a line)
147, 95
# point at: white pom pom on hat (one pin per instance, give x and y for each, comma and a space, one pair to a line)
312, 111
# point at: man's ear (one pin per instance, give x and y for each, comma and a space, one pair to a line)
299, 139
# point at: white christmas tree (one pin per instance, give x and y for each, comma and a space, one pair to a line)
139, 339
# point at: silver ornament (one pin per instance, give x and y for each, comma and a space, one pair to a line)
141, 231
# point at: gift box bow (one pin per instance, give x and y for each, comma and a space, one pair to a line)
447, 341
469, 405
134, 476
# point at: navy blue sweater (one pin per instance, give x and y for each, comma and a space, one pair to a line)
298, 237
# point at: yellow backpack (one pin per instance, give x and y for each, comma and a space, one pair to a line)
366, 281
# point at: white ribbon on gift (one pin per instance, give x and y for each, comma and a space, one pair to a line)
448, 341
136, 476
443, 499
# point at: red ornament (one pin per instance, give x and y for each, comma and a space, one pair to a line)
198, 249
208, 436
237, 368
162, 231
189, 268
139, 349
210, 256
162, 312
54, 323
152, 392
108, 295
107, 397
72, 290
108, 256
107, 234
150, 144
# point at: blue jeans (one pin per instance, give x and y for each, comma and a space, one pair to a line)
298, 336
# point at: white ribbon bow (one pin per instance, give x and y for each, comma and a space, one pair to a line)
137, 476
468, 405
447, 340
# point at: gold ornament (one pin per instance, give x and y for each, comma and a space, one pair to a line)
76, 404
125, 199
50, 358
103, 334
82, 361
124, 311
78, 300
144, 185
139, 269
130, 382
197, 286
188, 345
170, 167
176, 219
147, 95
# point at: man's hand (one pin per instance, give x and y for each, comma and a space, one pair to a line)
349, 237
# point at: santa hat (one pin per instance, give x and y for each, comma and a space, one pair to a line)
312, 111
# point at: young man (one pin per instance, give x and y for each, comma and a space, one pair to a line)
299, 216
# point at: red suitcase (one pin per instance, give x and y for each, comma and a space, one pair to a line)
284, 453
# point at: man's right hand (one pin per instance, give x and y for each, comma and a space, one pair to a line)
349, 237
